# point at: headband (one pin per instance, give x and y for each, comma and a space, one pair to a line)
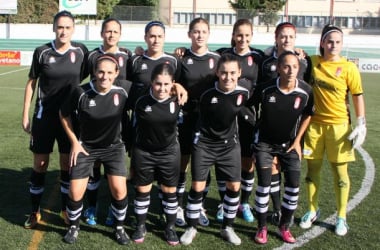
330, 30
107, 57
154, 23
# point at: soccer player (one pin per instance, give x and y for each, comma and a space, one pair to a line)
285, 36
284, 107
101, 109
56, 67
250, 61
156, 151
330, 132
217, 143
198, 67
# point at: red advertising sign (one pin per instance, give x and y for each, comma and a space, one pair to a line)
10, 57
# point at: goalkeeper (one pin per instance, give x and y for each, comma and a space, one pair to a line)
330, 132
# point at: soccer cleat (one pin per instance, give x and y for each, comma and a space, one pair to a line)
188, 236
90, 215
110, 220
139, 235
171, 236
65, 217
245, 210
203, 220
341, 227
71, 235
121, 236
32, 220
286, 235
261, 235
308, 219
219, 213
229, 235
180, 221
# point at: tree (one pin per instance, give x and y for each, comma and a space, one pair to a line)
267, 9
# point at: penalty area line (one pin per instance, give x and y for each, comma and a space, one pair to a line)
364, 190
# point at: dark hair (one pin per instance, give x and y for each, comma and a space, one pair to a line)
162, 69
282, 25
228, 58
108, 57
63, 13
198, 20
237, 24
327, 30
108, 20
154, 23
284, 54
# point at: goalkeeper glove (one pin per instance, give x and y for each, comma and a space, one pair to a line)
358, 134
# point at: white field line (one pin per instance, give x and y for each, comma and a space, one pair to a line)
364, 190
13, 71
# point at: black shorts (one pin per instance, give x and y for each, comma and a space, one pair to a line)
162, 165
112, 158
246, 134
225, 156
45, 131
186, 132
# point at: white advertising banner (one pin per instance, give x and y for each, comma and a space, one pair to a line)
79, 7
369, 65
8, 7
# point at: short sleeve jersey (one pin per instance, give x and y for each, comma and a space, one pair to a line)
269, 67
218, 113
156, 122
279, 114
139, 72
101, 116
197, 74
331, 82
122, 57
57, 74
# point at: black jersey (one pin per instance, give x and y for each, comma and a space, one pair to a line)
250, 66
197, 74
156, 122
139, 72
57, 74
218, 113
122, 57
269, 67
101, 117
279, 114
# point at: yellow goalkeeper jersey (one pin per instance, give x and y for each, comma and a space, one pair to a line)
332, 81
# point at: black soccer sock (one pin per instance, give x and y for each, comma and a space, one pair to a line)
275, 192
36, 189
65, 185
181, 188
247, 180
93, 187
141, 204
170, 205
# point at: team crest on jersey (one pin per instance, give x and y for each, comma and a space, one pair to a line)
148, 109
52, 59
239, 100
211, 63
172, 107
273, 68
116, 100
72, 57
121, 61
272, 99
92, 103
214, 100
144, 66
297, 102
189, 61
250, 60
338, 71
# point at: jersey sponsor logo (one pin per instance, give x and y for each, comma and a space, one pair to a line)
250, 60
92, 103
297, 102
189, 61
116, 100
121, 61
338, 71
148, 109
144, 66
52, 59
72, 57
211, 63
272, 99
239, 100
214, 100
172, 107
